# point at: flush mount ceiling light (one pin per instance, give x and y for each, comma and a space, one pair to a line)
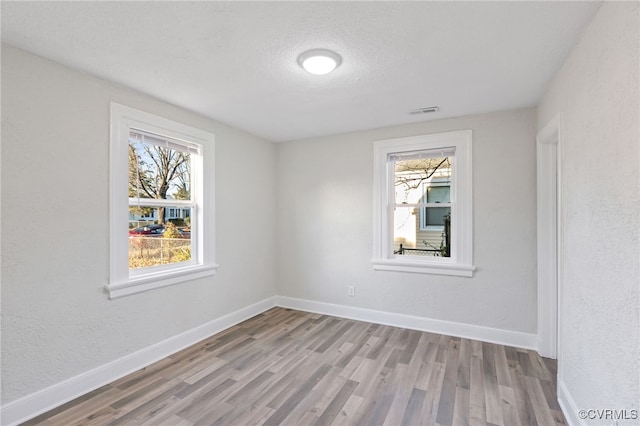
319, 61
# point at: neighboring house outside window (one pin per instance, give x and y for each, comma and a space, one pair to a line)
433, 218
162, 192
423, 207
139, 217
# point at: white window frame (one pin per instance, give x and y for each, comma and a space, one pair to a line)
123, 281
461, 261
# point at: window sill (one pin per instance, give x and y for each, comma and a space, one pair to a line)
422, 267
146, 282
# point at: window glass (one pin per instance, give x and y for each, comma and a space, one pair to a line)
158, 172
158, 235
421, 181
436, 216
411, 174
156, 244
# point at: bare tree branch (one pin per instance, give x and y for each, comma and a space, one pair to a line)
154, 171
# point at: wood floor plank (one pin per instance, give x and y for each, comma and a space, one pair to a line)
294, 399
334, 337
540, 367
404, 389
461, 409
370, 373
464, 368
538, 401
509, 406
411, 415
144, 373
100, 416
448, 393
502, 366
196, 373
144, 406
256, 417
206, 383
490, 379
432, 395
427, 366
380, 410
477, 405
287, 385
337, 403
327, 331
413, 339
359, 345
371, 391
174, 421
199, 406
525, 409
288, 367
164, 413
349, 411
325, 390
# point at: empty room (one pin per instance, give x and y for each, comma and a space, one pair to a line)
320, 213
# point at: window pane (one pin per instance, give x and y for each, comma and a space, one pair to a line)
411, 175
416, 241
436, 216
153, 243
158, 172
438, 194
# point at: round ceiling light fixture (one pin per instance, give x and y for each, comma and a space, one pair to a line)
319, 61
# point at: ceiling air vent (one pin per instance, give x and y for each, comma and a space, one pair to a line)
424, 110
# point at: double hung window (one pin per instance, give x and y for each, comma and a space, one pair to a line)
423, 204
161, 202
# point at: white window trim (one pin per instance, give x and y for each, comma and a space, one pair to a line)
122, 281
461, 261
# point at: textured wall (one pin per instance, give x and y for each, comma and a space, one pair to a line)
325, 226
597, 92
56, 320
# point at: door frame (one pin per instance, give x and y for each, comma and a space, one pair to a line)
548, 156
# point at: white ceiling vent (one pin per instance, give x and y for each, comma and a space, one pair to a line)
425, 110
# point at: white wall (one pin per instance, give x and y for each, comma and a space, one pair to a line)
596, 92
325, 190
56, 320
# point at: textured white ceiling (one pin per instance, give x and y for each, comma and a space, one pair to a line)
236, 61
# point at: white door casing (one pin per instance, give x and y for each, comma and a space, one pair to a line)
548, 236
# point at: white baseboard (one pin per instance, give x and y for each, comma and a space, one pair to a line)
568, 405
469, 331
44, 400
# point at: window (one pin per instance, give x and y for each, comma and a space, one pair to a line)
423, 204
161, 202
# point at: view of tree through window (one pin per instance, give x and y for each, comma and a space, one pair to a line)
160, 202
422, 204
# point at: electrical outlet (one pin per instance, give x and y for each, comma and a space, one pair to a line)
352, 290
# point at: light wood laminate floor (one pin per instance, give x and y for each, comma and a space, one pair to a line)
296, 368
